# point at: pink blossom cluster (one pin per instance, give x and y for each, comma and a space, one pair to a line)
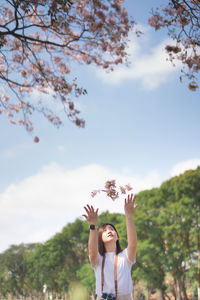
182, 21
156, 21
43, 37
111, 190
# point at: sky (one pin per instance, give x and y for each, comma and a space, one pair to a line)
142, 128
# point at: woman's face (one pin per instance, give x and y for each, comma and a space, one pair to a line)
109, 234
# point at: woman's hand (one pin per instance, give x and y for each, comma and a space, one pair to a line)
129, 205
92, 215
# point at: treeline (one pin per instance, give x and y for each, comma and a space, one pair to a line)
167, 222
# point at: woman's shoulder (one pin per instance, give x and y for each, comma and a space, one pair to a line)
123, 252
125, 255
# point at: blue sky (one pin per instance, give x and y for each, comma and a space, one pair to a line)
142, 127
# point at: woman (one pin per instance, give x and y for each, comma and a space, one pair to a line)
111, 264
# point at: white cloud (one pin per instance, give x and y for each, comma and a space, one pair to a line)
40, 205
148, 65
181, 167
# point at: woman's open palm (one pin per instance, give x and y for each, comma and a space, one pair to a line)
92, 214
129, 205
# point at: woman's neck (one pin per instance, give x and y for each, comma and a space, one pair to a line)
110, 247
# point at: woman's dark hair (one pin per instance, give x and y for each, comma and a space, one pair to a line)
102, 249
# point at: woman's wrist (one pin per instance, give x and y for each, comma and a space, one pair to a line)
129, 216
94, 223
93, 227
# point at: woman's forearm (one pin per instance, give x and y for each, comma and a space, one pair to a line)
93, 244
131, 236
129, 209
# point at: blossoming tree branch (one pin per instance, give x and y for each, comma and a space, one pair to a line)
39, 39
182, 20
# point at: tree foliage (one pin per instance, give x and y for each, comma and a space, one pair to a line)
38, 42
86, 275
151, 259
181, 18
167, 223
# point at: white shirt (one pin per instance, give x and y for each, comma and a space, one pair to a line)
124, 280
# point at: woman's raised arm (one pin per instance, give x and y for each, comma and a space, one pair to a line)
129, 209
92, 218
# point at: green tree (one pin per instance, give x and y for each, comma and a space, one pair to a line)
167, 224
55, 262
86, 275
151, 252
14, 268
3, 277
180, 220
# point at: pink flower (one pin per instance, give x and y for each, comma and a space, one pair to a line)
11, 107
9, 114
17, 58
36, 139
156, 21
112, 21
184, 21
4, 97
21, 122
122, 189
111, 190
112, 194
93, 193
71, 105
23, 73
128, 187
12, 121
101, 15
109, 184
105, 66
193, 86
80, 122
174, 49
118, 61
